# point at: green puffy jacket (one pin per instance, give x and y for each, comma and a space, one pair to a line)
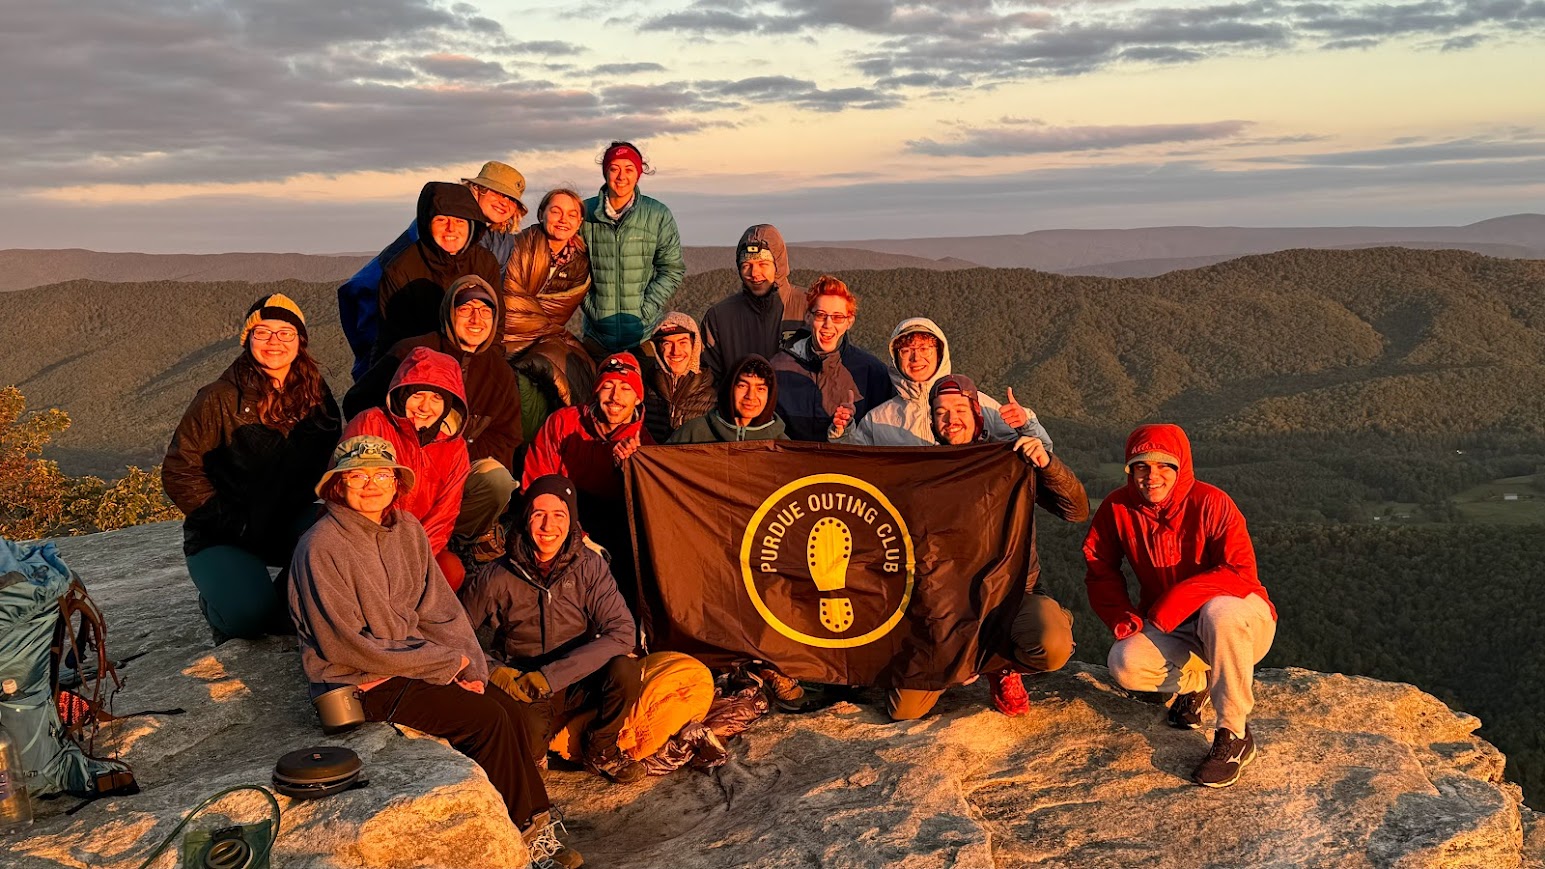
635, 268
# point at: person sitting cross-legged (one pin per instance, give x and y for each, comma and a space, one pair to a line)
557, 628
372, 611
1203, 620
1041, 637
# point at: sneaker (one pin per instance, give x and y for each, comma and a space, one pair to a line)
1185, 711
544, 846
1008, 693
1229, 756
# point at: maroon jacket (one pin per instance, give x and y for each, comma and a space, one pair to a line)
1185, 551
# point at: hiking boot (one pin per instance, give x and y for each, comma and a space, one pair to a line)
544, 846
488, 546
1008, 693
1185, 711
787, 693
1230, 754
618, 768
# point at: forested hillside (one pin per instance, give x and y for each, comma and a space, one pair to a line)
1379, 415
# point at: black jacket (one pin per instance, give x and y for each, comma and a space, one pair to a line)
240, 482
745, 323
493, 426
415, 281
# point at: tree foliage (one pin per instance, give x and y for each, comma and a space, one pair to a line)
38, 500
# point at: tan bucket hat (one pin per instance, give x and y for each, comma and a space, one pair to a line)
500, 178
365, 451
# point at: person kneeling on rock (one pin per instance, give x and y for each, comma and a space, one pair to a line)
372, 610
1041, 636
1203, 620
553, 621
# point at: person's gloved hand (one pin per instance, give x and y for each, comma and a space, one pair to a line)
525, 687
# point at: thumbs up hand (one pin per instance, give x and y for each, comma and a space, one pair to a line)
1013, 414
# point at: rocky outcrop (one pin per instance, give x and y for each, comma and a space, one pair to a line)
1352, 773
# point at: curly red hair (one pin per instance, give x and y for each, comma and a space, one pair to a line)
826, 285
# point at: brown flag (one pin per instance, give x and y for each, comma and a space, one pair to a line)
842, 565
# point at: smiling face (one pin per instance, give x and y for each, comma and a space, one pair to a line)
548, 526
450, 233
917, 356
562, 218
473, 322
829, 318
617, 400
424, 408
749, 398
495, 205
758, 275
953, 419
676, 352
274, 344
1154, 480
621, 179
369, 491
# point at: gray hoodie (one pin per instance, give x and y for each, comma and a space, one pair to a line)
369, 603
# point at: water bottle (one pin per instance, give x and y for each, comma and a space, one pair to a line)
15, 806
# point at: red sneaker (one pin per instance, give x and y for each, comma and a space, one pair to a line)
1008, 693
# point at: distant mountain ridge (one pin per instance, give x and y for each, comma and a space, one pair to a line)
1117, 253
1155, 250
24, 268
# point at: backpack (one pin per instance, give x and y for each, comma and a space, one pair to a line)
48, 624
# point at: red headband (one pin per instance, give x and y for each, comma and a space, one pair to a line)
623, 152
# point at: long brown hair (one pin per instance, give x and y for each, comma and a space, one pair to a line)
304, 388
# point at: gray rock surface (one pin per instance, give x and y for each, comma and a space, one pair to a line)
1352, 772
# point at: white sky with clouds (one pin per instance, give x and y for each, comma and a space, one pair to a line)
213, 125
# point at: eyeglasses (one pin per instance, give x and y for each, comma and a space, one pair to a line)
357, 479
834, 319
485, 191
475, 311
263, 335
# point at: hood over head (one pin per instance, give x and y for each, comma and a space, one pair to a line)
451, 200
677, 323
958, 384
759, 240
426, 369
464, 289
760, 367
904, 387
1162, 442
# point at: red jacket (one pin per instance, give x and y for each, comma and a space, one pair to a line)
440, 467
1185, 551
569, 444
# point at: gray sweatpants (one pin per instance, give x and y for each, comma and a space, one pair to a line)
1216, 649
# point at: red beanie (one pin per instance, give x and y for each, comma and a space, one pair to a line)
622, 151
623, 367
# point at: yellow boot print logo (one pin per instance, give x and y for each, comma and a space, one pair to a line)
828, 562
830, 549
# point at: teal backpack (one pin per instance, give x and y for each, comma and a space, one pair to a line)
48, 629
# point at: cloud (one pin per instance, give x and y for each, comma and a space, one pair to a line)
800, 93
1020, 137
616, 69
1392, 185
989, 42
